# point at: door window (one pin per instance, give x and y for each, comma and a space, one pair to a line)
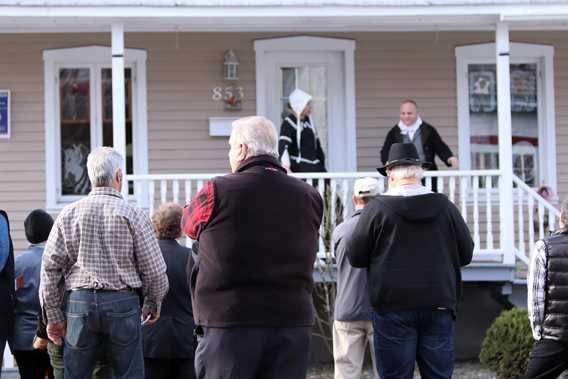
313, 80
524, 119
79, 131
75, 129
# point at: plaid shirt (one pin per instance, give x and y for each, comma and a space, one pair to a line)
536, 283
102, 242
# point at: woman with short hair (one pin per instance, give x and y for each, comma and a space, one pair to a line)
169, 343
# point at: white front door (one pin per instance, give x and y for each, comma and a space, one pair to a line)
321, 75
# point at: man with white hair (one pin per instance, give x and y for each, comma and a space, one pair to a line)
413, 243
352, 328
105, 252
257, 231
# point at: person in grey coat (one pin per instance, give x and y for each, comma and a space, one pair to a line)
352, 326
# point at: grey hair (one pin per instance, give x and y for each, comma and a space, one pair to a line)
257, 133
406, 172
102, 165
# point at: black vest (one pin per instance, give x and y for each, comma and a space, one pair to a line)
556, 306
256, 254
7, 291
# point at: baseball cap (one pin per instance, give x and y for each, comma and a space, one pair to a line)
366, 187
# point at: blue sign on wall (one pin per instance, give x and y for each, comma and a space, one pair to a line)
4, 114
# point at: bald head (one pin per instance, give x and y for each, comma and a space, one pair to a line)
408, 112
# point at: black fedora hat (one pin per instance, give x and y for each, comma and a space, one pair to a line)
402, 154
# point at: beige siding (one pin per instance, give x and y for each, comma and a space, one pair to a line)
183, 67
22, 157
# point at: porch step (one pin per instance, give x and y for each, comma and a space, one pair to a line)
474, 272
488, 272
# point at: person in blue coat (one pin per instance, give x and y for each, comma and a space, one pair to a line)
6, 282
32, 363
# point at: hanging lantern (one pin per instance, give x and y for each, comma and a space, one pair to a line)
231, 65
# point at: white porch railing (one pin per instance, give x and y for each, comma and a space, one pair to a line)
535, 219
473, 192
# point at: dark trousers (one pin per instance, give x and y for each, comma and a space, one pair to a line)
103, 321
252, 353
405, 337
102, 367
548, 359
169, 368
33, 364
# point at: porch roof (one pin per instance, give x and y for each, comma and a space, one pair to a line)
279, 15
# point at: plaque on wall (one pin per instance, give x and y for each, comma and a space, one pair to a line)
4, 113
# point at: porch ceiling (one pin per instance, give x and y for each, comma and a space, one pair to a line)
23, 16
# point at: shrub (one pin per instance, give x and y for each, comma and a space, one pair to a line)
507, 344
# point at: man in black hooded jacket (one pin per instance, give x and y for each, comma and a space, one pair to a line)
413, 243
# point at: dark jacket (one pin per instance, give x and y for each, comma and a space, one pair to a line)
312, 157
431, 142
555, 325
171, 337
413, 248
7, 290
256, 252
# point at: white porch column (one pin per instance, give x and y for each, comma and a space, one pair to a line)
118, 100
505, 143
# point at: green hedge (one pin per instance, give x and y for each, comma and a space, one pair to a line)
507, 344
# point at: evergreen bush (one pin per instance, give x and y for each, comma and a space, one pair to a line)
507, 344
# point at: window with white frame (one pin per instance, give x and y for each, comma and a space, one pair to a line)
79, 116
532, 111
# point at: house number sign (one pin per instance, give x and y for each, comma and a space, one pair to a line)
232, 96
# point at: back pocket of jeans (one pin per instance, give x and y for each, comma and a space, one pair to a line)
124, 327
77, 331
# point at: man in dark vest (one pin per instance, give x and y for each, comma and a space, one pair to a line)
411, 129
413, 243
257, 230
6, 282
548, 303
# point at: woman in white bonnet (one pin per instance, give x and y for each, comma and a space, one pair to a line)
299, 147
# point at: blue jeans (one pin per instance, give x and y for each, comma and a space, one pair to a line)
425, 336
103, 321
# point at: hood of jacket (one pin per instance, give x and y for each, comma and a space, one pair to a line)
298, 100
420, 208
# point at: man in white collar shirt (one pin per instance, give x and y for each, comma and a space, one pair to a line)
428, 143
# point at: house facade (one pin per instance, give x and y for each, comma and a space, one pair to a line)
491, 76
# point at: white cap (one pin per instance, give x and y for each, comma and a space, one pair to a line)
366, 187
298, 100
